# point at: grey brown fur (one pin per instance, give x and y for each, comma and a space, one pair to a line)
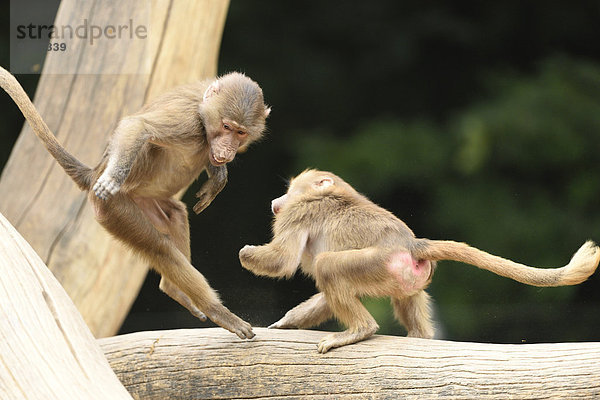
152, 155
354, 248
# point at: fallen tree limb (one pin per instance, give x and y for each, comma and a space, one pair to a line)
213, 364
46, 350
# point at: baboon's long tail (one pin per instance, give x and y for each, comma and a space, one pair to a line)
582, 265
80, 173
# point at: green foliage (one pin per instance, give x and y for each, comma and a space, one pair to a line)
539, 125
381, 151
381, 310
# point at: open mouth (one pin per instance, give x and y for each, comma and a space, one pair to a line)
214, 161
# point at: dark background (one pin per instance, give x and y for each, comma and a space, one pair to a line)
473, 121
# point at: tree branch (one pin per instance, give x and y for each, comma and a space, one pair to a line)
212, 363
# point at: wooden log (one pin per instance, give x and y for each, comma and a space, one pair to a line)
46, 350
213, 364
45, 206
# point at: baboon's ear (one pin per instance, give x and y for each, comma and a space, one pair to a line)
267, 111
324, 182
212, 89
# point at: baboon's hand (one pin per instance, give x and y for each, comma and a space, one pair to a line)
205, 197
106, 186
245, 256
247, 251
211, 188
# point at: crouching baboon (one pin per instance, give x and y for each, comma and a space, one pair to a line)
354, 248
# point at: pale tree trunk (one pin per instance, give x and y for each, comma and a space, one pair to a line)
46, 350
82, 109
